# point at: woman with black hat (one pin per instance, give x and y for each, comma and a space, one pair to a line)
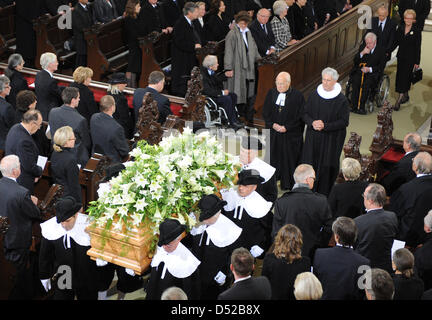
214, 241
123, 114
173, 265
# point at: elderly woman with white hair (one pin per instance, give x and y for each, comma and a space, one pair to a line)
47, 91
17, 80
280, 26
326, 116
346, 198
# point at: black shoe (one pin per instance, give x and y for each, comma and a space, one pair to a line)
236, 126
405, 98
396, 106
361, 111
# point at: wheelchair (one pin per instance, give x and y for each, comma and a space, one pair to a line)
376, 95
215, 115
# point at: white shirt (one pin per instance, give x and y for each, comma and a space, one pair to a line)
243, 32
382, 23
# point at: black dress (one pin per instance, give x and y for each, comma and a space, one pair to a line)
134, 30
217, 27
87, 105
123, 114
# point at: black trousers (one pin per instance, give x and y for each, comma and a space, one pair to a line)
228, 103
369, 81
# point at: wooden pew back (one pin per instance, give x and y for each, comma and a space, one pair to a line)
7, 29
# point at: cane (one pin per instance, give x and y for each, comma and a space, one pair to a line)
363, 64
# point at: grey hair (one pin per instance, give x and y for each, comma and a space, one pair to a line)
8, 164
209, 61
428, 219
423, 162
47, 58
279, 6
331, 72
414, 140
15, 60
174, 293
376, 194
189, 7
371, 35
351, 168
302, 172
3, 82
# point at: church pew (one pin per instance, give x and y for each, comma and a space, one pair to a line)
333, 45
107, 50
51, 38
7, 30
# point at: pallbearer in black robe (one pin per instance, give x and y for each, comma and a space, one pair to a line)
249, 158
214, 241
173, 264
282, 112
251, 212
63, 252
327, 116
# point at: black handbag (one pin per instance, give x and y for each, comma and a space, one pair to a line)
417, 75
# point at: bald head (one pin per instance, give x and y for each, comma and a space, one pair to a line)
422, 163
283, 81
412, 142
263, 16
10, 166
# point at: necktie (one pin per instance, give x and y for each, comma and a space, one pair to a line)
380, 27
264, 27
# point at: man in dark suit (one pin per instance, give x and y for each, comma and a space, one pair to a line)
47, 91
245, 286
369, 64
156, 83
172, 10
105, 11
82, 18
422, 255
377, 229
402, 171
153, 17
262, 33
185, 41
340, 267
20, 143
213, 88
421, 7
7, 113
20, 208
385, 30
107, 135
67, 115
308, 210
405, 201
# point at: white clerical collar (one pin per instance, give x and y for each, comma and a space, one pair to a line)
51, 230
280, 101
254, 204
265, 170
241, 279
181, 263
222, 233
329, 94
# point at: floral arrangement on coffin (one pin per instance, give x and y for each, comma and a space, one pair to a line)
164, 181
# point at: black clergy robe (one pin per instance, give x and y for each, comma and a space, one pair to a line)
59, 249
322, 149
181, 271
213, 245
253, 215
285, 148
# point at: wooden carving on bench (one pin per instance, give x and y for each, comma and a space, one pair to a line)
383, 135
47, 205
4, 225
272, 58
193, 109
148, 127
216, 48
173, 122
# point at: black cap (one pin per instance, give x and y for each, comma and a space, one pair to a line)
66, 207
112, 171
209, 206
251, 143
169, 230
249, 176
117, 78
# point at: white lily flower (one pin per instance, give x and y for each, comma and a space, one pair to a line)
140, 204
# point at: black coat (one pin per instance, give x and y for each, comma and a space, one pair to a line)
16, 204
421, 7
103, 12
400, 173
5, 3
65, 171
7, 117
121, 5
423, 262
123, 114
152, 18
375, 60
133, 30
48, 93
282, 275
337, 269
376, 231
81, 19
108, 137
19, 142
212, 84
163, 103
346, 199
17, 83
300, 25
254, 288
172, 11
217, 28
262, 39
68, 116
87, 105
407, 288
201, 30
385, 38
310, 212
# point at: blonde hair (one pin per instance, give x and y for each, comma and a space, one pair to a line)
307, 287
351, 169
61, 137
409, 11
81, 74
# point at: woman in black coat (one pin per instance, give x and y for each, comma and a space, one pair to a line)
217, 22
408, 38
87, 106
123, 114
133, 30
64, 165
17, 80
284, 262
407, 285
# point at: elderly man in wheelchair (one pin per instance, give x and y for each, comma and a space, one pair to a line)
213, 89
366, 77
